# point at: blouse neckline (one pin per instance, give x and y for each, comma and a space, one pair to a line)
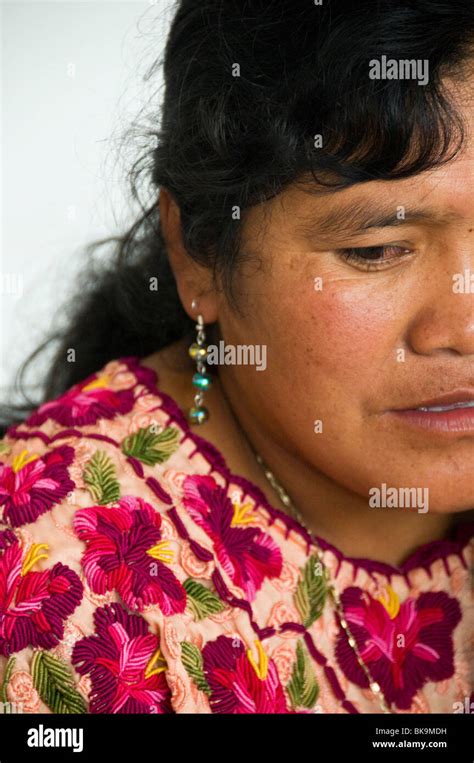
421, 557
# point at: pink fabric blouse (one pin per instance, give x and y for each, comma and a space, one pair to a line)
139, 575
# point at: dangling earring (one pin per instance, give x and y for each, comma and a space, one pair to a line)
198, 414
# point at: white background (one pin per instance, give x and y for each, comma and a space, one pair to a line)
71, 85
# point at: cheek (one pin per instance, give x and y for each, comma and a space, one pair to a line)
346, 332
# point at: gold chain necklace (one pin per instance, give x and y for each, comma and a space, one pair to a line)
286, 500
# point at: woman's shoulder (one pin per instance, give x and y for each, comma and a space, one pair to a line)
122, 532
87, 543
109, 425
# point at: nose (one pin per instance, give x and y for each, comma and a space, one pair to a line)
445, 321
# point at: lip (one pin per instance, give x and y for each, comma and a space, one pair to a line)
457, 419
450, 398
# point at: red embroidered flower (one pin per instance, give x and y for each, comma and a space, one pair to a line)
404, 645
125, 664
247, 554
237, 682
33, 484
33, 605
125, 552
85, 403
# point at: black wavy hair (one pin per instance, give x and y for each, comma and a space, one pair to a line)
247, 86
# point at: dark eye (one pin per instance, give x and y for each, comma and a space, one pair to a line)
373, 254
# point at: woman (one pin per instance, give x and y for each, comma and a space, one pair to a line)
287, 527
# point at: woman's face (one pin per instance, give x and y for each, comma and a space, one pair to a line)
349, 342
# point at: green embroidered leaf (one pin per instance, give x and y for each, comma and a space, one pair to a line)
5, 448
6, 678
192, 661
152, 448
201, 601
303, 687
55, 684
311, 592
100, 476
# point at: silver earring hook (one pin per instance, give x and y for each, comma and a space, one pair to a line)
199, 317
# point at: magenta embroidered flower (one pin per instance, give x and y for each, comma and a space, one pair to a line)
237, 683
7, 537
125, 552
125, 664
33, 484
404, 645
33, 605
247, 554
85, 403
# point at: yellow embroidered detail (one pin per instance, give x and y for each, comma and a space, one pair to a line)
156, 657
241, 514
162, 552
33, 556
390, 602
262, 668
18, 462
99, 383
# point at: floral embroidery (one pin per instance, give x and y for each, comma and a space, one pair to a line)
125, 552
152, 447
5, 448
125, 664
311, 593
34, 605
201, 601
247, 554
6, 678
303, 688
33, 484
54, 683
7, 537
404, 644
231, 677
20, 691
100, 477
85, 403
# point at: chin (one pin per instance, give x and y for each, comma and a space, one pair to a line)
447, 503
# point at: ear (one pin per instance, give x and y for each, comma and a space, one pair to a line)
194, 281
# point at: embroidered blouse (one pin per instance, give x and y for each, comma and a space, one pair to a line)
139, 575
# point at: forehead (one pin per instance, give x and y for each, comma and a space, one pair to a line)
440, 196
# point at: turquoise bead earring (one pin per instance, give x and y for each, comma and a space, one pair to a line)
198, 414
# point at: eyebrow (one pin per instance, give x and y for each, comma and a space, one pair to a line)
357, 217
